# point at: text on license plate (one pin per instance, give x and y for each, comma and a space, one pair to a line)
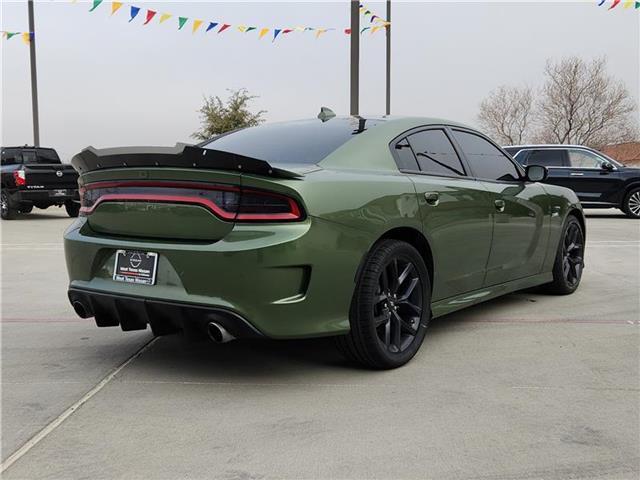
133, 266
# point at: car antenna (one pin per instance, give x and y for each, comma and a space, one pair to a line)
326, 114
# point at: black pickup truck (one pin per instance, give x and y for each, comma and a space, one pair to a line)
35, 177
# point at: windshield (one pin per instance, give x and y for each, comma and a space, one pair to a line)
300, 142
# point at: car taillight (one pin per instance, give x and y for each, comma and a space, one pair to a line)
226, 201
20, 178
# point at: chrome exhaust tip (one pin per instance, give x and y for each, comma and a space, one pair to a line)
218, 334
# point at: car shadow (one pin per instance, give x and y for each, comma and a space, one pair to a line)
40, 216
276, 361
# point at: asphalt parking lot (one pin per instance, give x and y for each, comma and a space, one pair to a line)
527, 386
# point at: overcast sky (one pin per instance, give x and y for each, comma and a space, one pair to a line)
106, 82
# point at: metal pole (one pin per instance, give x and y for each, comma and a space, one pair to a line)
34, 77
355, 56
388, 109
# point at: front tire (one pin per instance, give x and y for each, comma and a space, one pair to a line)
72, 208
569, 263
631, 204
391, 307
7, 212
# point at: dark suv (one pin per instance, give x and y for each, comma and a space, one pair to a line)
599, 181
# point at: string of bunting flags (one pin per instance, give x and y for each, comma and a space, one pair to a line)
26, 36
611, 4
218, 27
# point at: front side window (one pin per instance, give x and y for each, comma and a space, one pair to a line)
546, 158
486, 160
584, 159
435, 153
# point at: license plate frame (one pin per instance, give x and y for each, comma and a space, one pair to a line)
60, 192
135, 266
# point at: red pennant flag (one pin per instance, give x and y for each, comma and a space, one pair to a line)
150, 15
287, 30
614, 4
347, 31
223, 27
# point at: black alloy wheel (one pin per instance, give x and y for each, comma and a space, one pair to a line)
569, 262
391, 307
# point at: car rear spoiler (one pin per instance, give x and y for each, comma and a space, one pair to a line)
180, 156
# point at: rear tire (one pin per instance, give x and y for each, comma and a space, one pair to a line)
7, 211
631, 204
391, 308
72, 208
569, 262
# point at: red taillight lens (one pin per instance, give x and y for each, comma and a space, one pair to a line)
226, 201
20, 178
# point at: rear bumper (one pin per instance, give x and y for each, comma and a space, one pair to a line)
284, 280
134, 313
51, 197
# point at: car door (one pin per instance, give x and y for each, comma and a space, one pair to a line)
555, 159
591, 178
456, 210
520, 210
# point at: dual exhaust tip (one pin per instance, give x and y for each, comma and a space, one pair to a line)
216, 332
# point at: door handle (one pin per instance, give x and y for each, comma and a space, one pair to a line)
433, 198
577, 174
500, 205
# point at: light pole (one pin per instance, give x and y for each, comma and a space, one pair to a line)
355, 56
34, 76
388, 109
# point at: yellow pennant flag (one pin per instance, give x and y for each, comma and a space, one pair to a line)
242, 28
320, 31
263, 32
196, 25
165, 16
299, 29
628, 3
26, 38
115, 6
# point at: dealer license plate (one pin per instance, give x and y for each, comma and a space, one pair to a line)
59, 193
135, 267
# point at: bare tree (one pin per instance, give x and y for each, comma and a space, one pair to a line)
505, 115
582, 104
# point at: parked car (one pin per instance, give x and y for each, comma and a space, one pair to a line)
35, 177
361, 229
599, 181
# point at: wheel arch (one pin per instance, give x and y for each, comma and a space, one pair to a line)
579, 214
413, 237
627, 189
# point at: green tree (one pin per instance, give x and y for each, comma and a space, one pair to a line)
218, 116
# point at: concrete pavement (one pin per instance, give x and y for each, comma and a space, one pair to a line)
526, 386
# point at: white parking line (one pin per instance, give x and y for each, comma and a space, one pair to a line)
38, 437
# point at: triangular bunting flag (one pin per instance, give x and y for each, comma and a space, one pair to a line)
212, 25
320, 31
223, 27
150, 15
242, 28
347, 31
26, 38
134, 12
376, 28
115, 6
96, 4
628, 3
249, 29
373, 17
181, 22
263, 32
276, 32
196, 25
364, 29
614, 4
164, 17
11, 34
637, 4
287, 30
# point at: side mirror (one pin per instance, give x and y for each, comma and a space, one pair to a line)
536, 173
607, 166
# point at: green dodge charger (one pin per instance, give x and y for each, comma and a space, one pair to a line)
358, 228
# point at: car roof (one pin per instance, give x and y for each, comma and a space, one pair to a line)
547, 145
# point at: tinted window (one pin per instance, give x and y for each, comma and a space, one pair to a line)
10, 156
546, 158
486, 160
584, 159
306, 141
41, 155
512, 150
404, 156
435, 154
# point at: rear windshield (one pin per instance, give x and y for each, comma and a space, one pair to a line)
11, 156
301, 142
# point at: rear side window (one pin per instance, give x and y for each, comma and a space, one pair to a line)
546, 158
404, 156
435, 153
301, 142
486, 160
11, 156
